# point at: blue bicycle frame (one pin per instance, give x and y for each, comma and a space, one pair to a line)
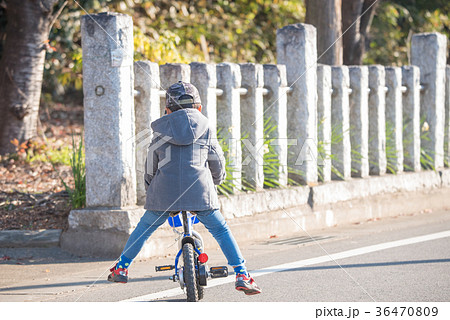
188, 220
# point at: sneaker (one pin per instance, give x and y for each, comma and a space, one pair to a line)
247, 284
118, 275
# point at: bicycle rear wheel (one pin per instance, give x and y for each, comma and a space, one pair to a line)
200, 289
190, 279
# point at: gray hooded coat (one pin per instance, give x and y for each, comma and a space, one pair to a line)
184, 162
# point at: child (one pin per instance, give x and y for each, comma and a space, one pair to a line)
183, 165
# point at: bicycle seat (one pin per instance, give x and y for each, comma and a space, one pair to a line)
174, 213
175, 220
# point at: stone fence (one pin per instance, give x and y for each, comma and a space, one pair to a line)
307, 103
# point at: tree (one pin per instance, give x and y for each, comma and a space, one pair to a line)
342, 28
396, 21
357, 16
325, 15
21, 67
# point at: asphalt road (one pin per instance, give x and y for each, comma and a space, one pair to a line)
394, 259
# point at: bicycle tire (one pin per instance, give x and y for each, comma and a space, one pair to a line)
201, 292
190, 279
200, 289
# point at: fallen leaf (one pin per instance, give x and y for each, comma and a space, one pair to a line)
15, 142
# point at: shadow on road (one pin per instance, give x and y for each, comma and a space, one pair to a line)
359, 265
168, 300
37, 256
77, 283
7, 290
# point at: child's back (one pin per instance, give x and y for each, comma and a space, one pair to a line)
184, 162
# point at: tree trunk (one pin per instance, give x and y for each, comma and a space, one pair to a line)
357, 17
325, 15
22, 66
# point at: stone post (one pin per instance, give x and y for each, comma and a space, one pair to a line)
147, 110
229, 116
411, 118
324, 89
340, 122
428, 52
447, 116
359, 120
103, 227
108, 85
394, 119
203, 76
252, 124
377, 123
275, 104
171, 73
297, 49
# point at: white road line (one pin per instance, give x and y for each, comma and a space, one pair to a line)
302, 263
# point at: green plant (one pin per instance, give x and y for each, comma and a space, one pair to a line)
396, 21
41, 151
391, 150
407, 140
271, 162
229, 185
77, 195
426, 156
337, 135
54, 156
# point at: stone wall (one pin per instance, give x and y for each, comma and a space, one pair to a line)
331, 123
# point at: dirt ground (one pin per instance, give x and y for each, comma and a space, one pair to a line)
32, 195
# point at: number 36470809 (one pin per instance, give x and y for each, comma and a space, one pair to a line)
407, 311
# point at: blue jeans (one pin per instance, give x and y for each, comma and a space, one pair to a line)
213, 221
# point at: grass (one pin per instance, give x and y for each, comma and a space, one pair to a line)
229, 185
391, 150
426, 156
77, 195
336, 137
271, 164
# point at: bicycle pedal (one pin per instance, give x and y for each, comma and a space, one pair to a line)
218, 272
164, 268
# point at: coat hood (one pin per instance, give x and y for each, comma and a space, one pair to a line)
183, 126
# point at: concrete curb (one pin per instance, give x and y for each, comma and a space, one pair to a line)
30, 238
259, 214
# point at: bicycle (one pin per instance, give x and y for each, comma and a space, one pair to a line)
193, 272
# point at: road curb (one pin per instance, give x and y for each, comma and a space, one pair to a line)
329, 204
30, 238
